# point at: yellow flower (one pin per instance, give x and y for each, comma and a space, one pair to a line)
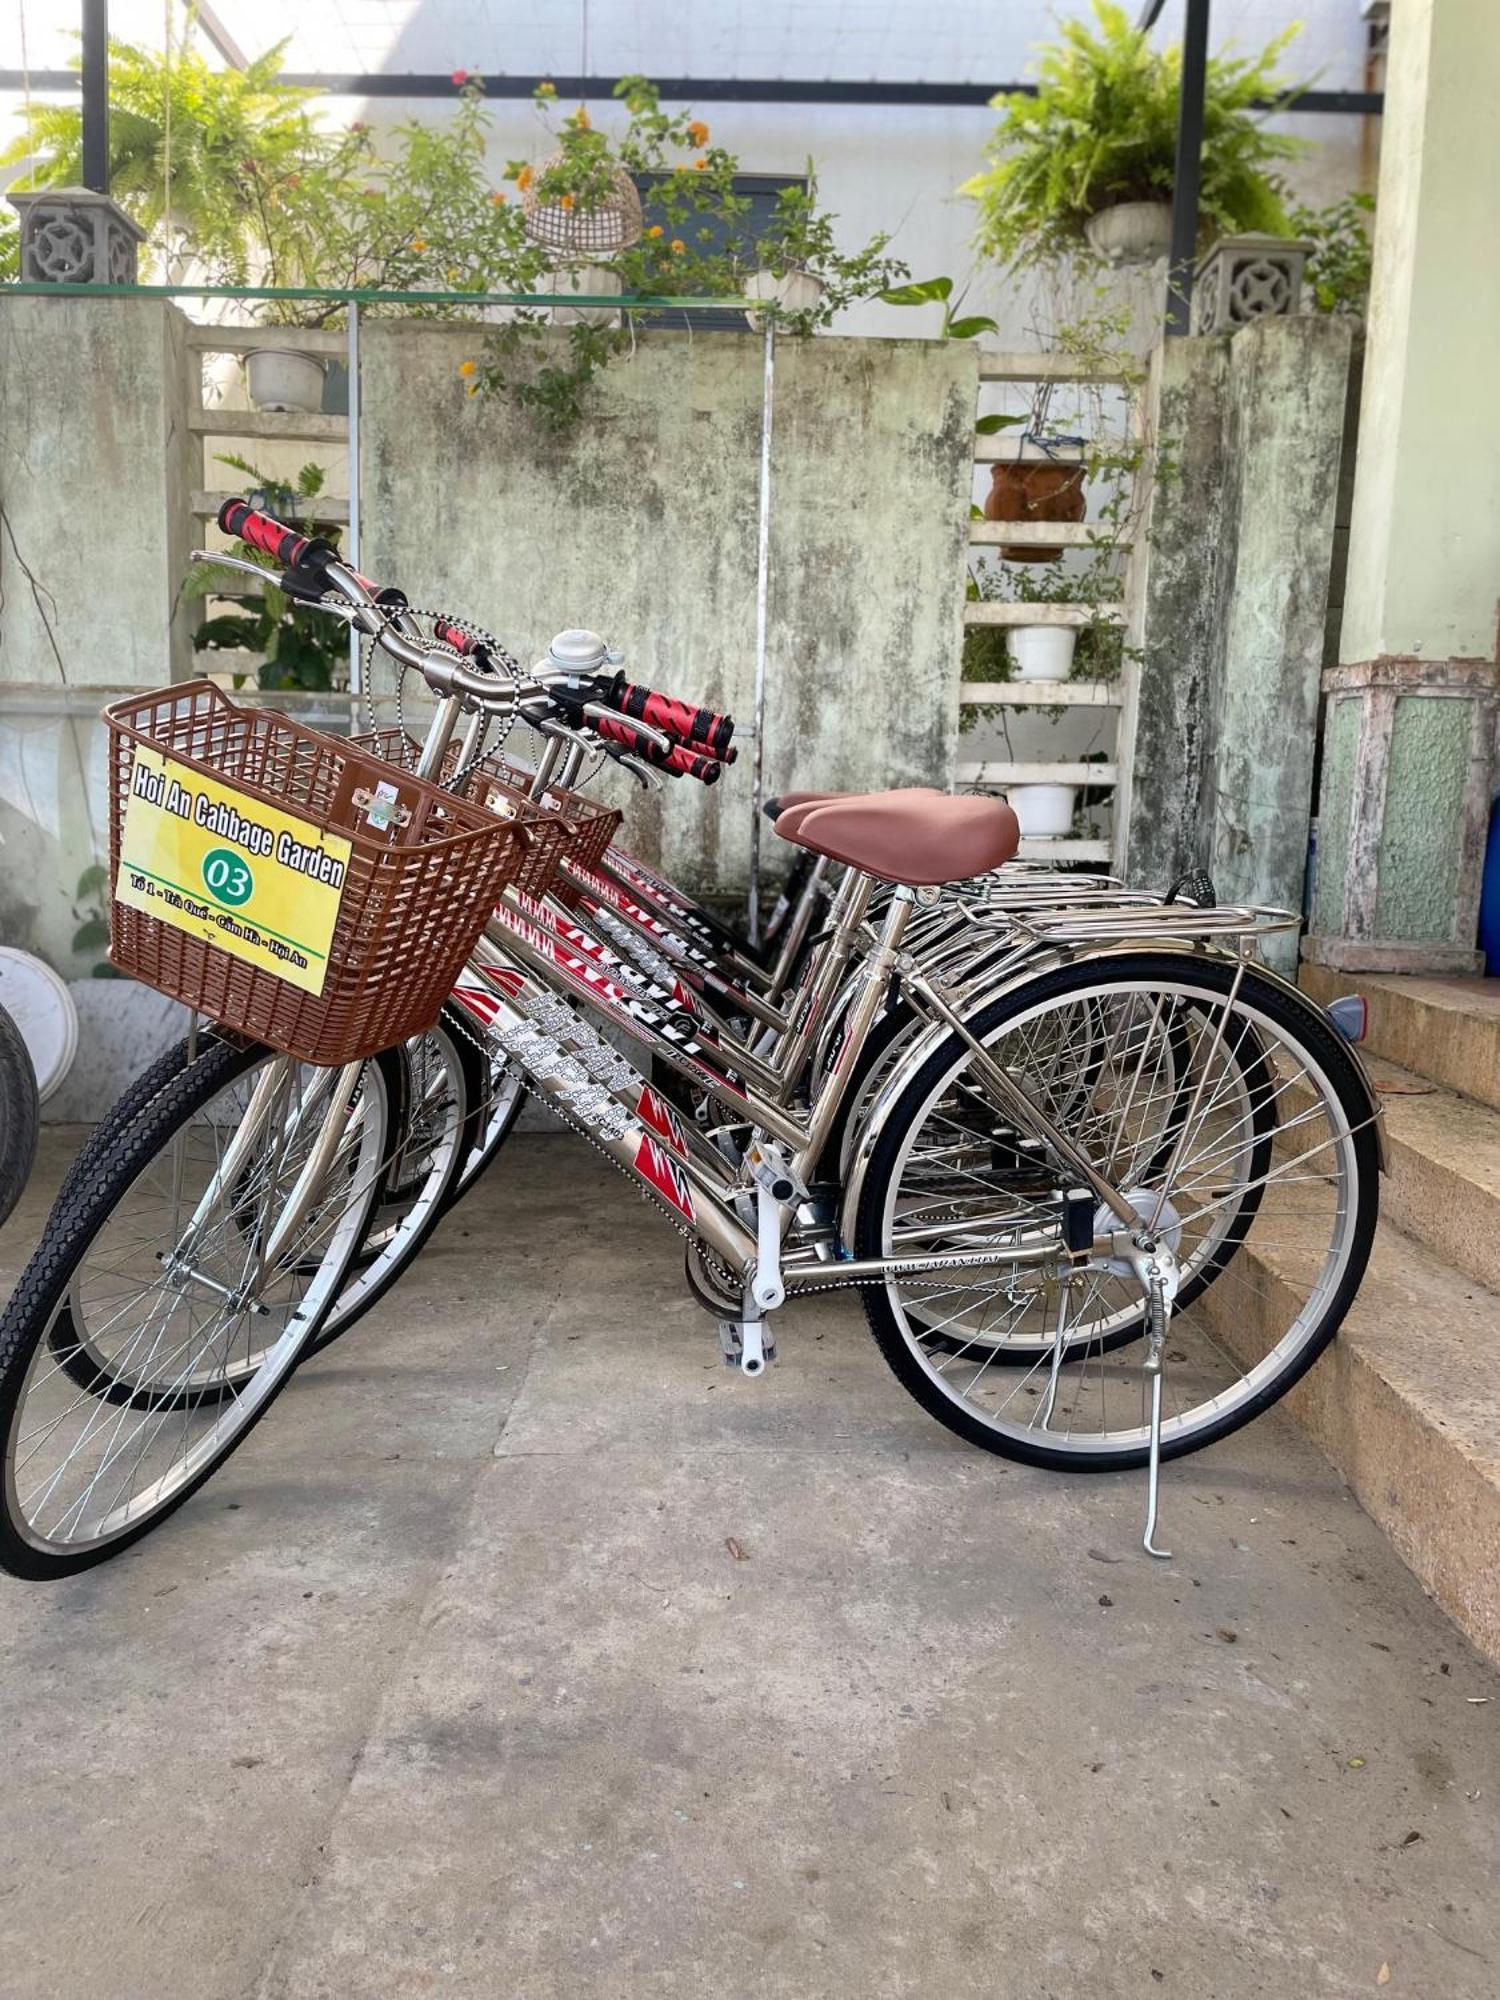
565, 201
546, 89
698, 132
417, 243
523, 179
677, 246
581, 119
473, 389
467, 367
452, 274
655, 230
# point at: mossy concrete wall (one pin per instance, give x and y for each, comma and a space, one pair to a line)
1233, 605
643, 526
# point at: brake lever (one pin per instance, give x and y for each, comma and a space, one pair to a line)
642, 773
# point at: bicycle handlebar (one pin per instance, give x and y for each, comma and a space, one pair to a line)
700, 729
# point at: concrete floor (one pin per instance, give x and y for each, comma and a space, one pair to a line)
524, 1651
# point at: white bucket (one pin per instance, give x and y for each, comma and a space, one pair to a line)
42, 1008
596, 280
1042, 652
1132, 232
794, 291
285, 379
1045, 812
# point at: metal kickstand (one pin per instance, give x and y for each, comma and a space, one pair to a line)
1158, 1310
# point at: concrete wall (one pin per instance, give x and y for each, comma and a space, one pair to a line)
1233, 603
95, 472
643, 526
1424, 564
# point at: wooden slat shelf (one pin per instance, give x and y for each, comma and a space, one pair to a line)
205, 506
291, 425
991, 611
1037, 849
250, 339
1037, 774
997, 367
1040, 694
1006, 448
1047, 534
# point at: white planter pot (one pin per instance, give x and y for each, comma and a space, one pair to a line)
794, 291
1045, 812
587, 279
282, 378
1042, 652
1132, 232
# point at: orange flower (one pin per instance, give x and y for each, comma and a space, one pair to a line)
419, 243
523, 179
698, 132
565, 201
655, 230
699, 165
467, 367
677, 246
497, 198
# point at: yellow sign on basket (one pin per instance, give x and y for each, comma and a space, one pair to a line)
257, 882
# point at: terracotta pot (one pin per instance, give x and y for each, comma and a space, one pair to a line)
1035, 490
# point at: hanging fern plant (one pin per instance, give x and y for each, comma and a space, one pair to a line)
1102, 129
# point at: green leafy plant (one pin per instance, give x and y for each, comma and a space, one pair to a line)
939, 291
702, 241
1339, 265
420, 216
1102, 129
301, 648
219, 129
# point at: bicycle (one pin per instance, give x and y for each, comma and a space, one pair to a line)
1063, 1184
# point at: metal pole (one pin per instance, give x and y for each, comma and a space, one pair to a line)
352, 362
1187, 173
95, 79
762, 605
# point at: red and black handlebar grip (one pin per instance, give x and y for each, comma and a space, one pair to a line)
681, 761
461, 641
285, 545
709, 733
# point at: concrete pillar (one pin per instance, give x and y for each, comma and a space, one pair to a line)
1229, 601
96, 465
95, 476
1424, 550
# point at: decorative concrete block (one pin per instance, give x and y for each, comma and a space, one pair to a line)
1408, 768
73, 236
1248, 277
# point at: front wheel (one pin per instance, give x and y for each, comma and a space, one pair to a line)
165, 1308
1266, 1193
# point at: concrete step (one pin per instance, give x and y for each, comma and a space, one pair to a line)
1443, 1183
1406, 1403
1445, 1029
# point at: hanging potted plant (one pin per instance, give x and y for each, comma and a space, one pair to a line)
1088, 162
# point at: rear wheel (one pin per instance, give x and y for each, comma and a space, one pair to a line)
151, 1330
1267, 1194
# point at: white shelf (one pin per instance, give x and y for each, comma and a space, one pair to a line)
989, 611
1037, 774
292, 425
1046, 535
1040, 694
1064, 850
249, 339
205, 506
997, 367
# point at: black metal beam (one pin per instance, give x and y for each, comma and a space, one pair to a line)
715, 89
1187, 172
94, 79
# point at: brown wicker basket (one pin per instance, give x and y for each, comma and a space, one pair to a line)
414, 899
